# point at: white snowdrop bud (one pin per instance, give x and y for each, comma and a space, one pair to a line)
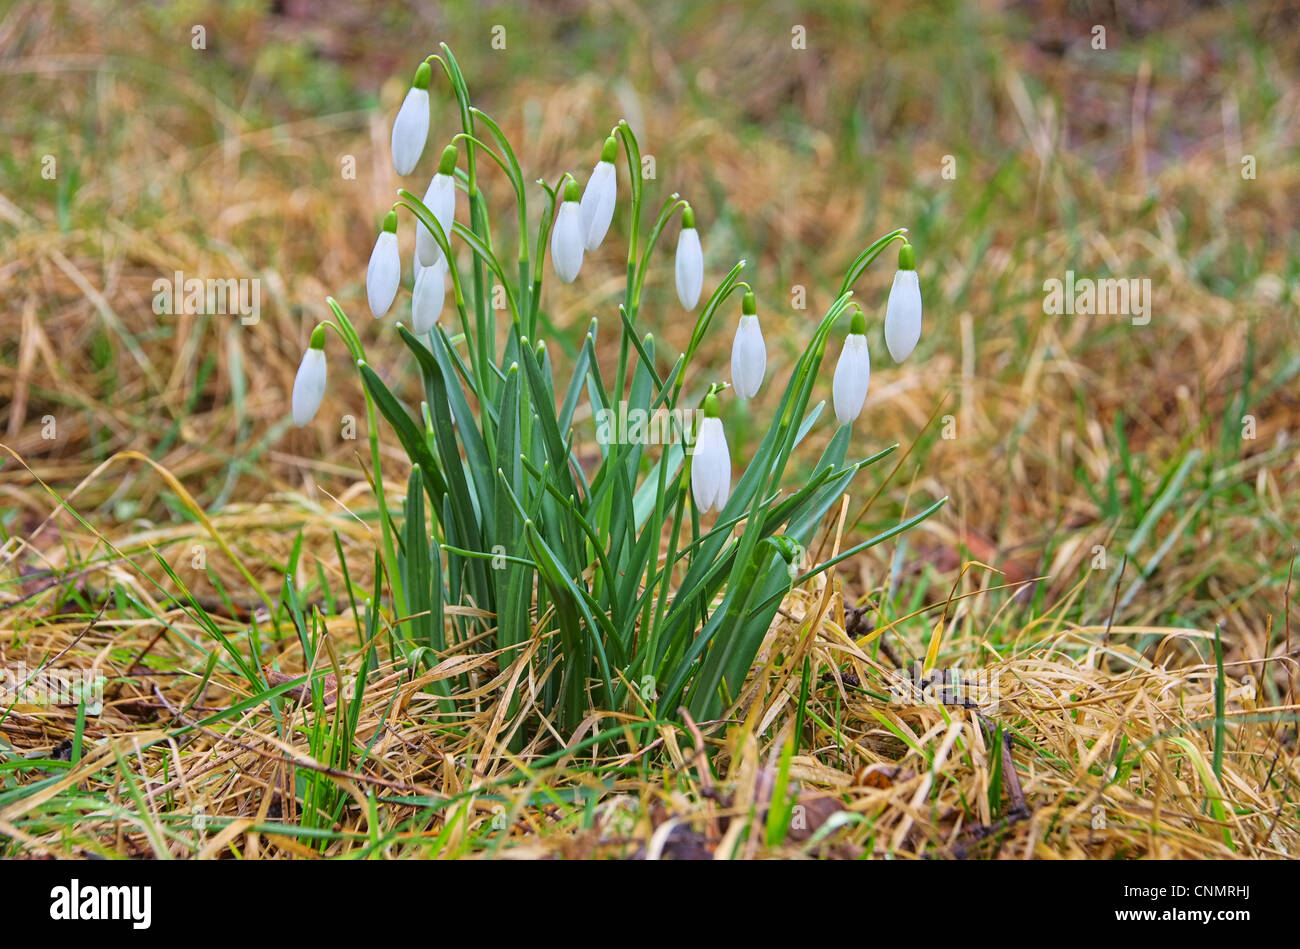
411, 127
852, 372
711, 461
440, 199
428, 296
903, 312
384, 274
600, 196
567, 241
748, 351
309, 384
690, 261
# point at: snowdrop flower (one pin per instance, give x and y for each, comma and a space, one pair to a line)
599, 198
427, 299
411, 127
852, 372
690, 261
567, 239
440, 199
711, 461
309, 384
903, 312
748, 352
385, 271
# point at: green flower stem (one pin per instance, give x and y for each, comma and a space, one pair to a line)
543, 232
670, 207
730, 284
666, 212
521, 201
633, 152
487, 555
865, 259
485, 342
349, 333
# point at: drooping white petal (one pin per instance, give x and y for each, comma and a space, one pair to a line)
308, 386
384, 274
597, 204
723, 473
690, 267
903, 315
410, 130
440, 199
567, 242
428, 296
748, 357
852, 376
711, 467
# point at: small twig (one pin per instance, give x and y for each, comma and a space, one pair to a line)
856, 625
1114, 605
702, 768
1018, 811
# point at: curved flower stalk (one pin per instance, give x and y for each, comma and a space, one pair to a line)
567, 241
600, 196
748, 351
309, 384
440, 199
428, 295
690, 261
711, 461
903, 312
384, 273
852, 372
411, 127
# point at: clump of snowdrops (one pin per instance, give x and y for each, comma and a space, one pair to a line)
647, 581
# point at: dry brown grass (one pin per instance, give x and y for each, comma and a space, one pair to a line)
1112, 757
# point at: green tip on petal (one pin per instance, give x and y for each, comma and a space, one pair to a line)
749, 304
390, 222
318, 337
710, 406
906, 257
858, 322
572, 192
609, 151
688, 216
422, 76
447, 164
